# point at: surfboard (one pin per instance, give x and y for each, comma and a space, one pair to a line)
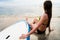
14, 31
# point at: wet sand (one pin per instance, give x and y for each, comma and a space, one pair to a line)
55, 24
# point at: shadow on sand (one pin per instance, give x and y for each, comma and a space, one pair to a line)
43, 36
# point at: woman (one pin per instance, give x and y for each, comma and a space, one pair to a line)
43, 22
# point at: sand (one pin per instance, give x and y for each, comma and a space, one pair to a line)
55, 24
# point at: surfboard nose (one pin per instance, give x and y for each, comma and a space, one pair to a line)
14, 31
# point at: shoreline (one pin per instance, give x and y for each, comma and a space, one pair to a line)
55, 24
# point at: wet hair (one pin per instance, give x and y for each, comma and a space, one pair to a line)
48, 10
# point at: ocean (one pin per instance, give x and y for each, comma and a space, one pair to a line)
34, 10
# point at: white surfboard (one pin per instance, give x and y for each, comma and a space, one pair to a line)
14, 31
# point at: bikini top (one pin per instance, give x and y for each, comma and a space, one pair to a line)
45, 23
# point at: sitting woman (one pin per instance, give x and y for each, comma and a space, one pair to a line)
42, 22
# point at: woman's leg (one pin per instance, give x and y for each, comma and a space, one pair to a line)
34, 22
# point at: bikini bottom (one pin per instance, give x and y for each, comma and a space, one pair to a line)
40, 32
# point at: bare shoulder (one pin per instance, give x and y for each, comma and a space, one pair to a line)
45, 16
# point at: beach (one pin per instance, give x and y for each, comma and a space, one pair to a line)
17, 10
55, 24
54, 35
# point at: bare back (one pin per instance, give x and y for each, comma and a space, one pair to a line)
44, 24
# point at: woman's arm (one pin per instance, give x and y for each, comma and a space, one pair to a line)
50, 29
36, 26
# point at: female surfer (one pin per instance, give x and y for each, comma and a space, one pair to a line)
42, 22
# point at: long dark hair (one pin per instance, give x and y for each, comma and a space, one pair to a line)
48, 10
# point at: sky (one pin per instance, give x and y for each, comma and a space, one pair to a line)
19, 2
23, 2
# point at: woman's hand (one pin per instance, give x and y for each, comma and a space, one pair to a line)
23, 36
51, 30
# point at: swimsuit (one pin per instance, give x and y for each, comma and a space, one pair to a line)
38, 31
